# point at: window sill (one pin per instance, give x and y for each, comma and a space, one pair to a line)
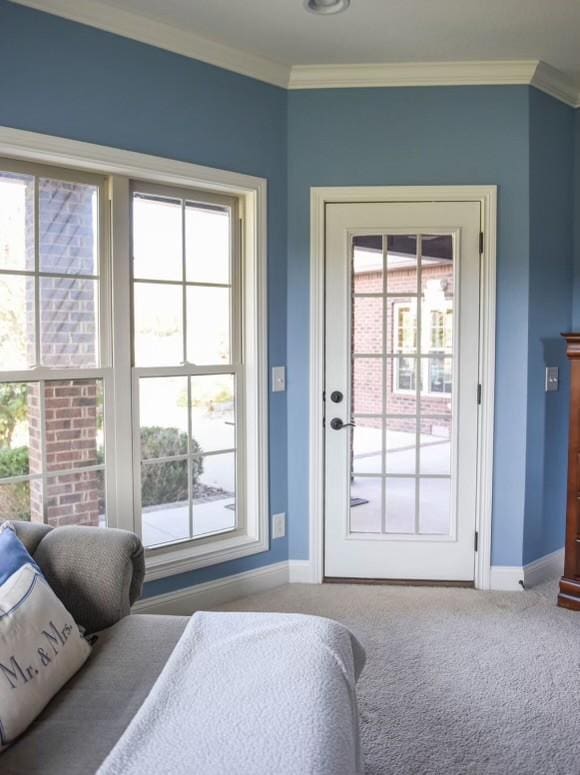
182, 559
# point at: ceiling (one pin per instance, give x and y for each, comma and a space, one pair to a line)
370, 31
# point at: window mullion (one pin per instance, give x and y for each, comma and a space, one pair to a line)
36, 217
119, 399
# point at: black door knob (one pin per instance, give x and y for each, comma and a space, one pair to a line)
336, 396
337, 424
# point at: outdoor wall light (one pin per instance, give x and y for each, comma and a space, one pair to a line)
326, 7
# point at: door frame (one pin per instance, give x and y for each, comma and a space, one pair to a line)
486, 196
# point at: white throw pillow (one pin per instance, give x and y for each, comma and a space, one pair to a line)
41, 646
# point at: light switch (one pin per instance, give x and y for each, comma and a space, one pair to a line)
552, 378
278, 379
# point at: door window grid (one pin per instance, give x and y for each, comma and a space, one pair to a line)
436, 339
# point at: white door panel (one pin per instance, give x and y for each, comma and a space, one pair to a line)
402, 321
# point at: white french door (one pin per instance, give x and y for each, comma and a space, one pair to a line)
401, 389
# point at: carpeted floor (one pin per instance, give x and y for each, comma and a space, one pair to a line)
457, 682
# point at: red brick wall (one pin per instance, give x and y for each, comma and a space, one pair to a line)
67, 326
367, 326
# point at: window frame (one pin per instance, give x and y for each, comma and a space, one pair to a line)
40, 374
423, 368
187, 369
119, 168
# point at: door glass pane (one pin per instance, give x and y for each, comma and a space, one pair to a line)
367, 323
401, 445
435, 453
366, 501
434, 506
400, 504
402, 274
407, 385
401, 325
158, 324
16, 221
401, 397
208, 325
207, 244
68, 227
157, 252
367, 382
68, 322
367, 264
214, 490
367, 446
17, 328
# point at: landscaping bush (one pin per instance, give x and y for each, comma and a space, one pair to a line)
166, 482
14, 498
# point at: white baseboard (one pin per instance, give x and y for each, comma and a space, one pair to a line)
507, 578
300, 572
183, 602
547, 567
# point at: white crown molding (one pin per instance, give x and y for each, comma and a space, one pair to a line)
412, 74
530, 72
553, 82
165, 36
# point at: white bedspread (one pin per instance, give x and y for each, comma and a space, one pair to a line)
249, 694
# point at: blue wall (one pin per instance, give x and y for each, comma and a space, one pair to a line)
417, 136
550, 313
65, 79
576, 215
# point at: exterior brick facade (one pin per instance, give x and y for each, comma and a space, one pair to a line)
68, 319
367, 339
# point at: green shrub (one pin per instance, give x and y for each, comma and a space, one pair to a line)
14, 498
166, 482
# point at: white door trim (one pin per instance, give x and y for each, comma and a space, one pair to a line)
487, 197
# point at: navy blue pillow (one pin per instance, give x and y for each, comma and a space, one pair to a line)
13, 554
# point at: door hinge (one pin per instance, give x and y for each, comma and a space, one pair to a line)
479, 394
476, 541
481, 243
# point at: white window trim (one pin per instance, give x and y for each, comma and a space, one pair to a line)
121, 166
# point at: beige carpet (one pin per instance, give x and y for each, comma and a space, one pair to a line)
457, 682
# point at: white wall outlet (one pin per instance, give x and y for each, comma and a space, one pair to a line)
278, 525
278, 379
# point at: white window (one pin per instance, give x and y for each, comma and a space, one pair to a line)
132, 380
435, 369
53, 346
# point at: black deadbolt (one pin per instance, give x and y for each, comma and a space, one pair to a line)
336, 396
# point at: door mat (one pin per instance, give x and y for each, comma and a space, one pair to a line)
357, 502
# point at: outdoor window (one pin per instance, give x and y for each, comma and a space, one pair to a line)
52, 349
131, 387
187, 362
437, 332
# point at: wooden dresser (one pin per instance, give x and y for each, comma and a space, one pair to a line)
569, 596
